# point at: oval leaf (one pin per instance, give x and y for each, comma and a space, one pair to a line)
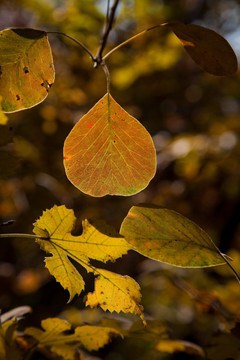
207, 48
26, 68
109, 152
169, 237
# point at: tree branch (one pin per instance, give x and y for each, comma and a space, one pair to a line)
106, 32
84, 47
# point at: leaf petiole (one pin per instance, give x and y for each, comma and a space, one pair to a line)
84, 47
225, 257
130, 39
26, 236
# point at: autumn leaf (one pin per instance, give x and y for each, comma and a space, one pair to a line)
57, 224
54, 336
114, 292
8, 346
171, 346
109, 152
26, 68
98, 241
207, 48
167, 236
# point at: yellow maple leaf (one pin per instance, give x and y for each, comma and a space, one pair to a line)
98, 241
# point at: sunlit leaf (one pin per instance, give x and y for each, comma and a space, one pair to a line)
26, 68
109, 152
207, 48
114, 292
167, 236
98, 241
171, 346
65, 345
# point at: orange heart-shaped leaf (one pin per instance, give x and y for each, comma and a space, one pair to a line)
109, 152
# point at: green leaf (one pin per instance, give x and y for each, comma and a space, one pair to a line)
109, 152
207, 48
169, 237
54, 336
26, 68
98, 241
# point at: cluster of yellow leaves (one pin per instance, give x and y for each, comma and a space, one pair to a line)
54, 336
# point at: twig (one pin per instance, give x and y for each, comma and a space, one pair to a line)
26, 236
107, 12
84, 47
130, 39
106, 32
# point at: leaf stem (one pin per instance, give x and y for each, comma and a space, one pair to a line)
107, 73
107, 29
84, 47
230, 265
130, 39
26, 236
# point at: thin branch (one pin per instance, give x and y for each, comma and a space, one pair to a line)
106, 32
130, 39
84, 47
108, 8
25, 236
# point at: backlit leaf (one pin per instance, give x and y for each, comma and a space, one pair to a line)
114, 292
207, 48
98, 241
109, 152
167, 236
65, 345
26, 68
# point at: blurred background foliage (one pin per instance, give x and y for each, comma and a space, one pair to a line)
193, 118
